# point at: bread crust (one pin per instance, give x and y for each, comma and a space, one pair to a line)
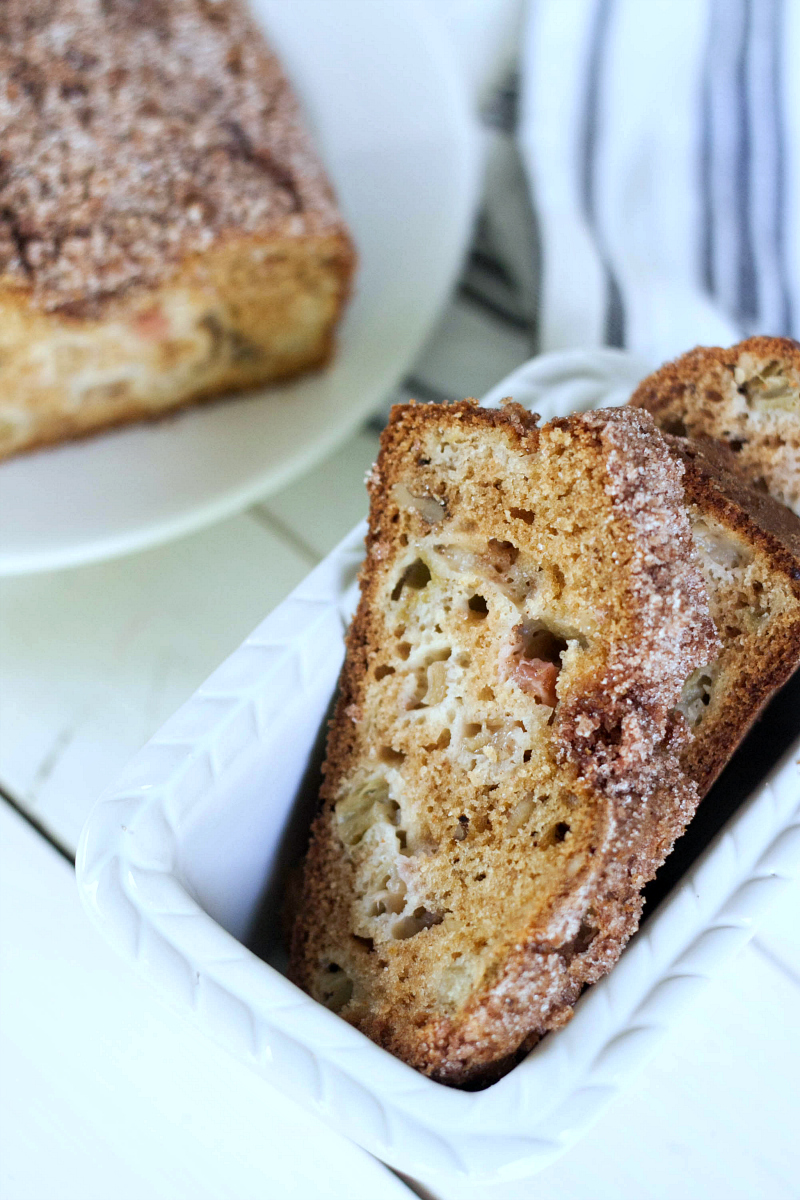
621, 759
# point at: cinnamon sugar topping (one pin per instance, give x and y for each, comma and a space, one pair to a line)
135, 132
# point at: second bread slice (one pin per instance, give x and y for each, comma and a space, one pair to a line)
748, 550
747, 397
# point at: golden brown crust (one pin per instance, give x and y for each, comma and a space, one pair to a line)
668, 594
469, 958
745, 396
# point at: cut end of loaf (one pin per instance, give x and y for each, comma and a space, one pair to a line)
246, 313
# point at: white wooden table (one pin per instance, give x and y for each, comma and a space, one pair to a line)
104, 1092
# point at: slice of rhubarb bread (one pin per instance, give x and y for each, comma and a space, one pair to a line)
502, 772
747, 396
748, 548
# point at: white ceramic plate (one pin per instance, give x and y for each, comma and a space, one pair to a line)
391, 116
173, 862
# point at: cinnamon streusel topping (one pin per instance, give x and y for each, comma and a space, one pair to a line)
136, 132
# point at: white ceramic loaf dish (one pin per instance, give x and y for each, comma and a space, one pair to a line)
175, 858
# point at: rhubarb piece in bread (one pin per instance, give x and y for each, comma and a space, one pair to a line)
747, 396
748, 548
167, 232
502, 771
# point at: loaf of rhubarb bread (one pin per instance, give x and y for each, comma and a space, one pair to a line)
167, 232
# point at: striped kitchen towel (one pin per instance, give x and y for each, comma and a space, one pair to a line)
661, 143
642, 189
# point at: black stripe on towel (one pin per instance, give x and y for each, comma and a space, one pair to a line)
707, 230
614, 334
747, 286
479, 297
